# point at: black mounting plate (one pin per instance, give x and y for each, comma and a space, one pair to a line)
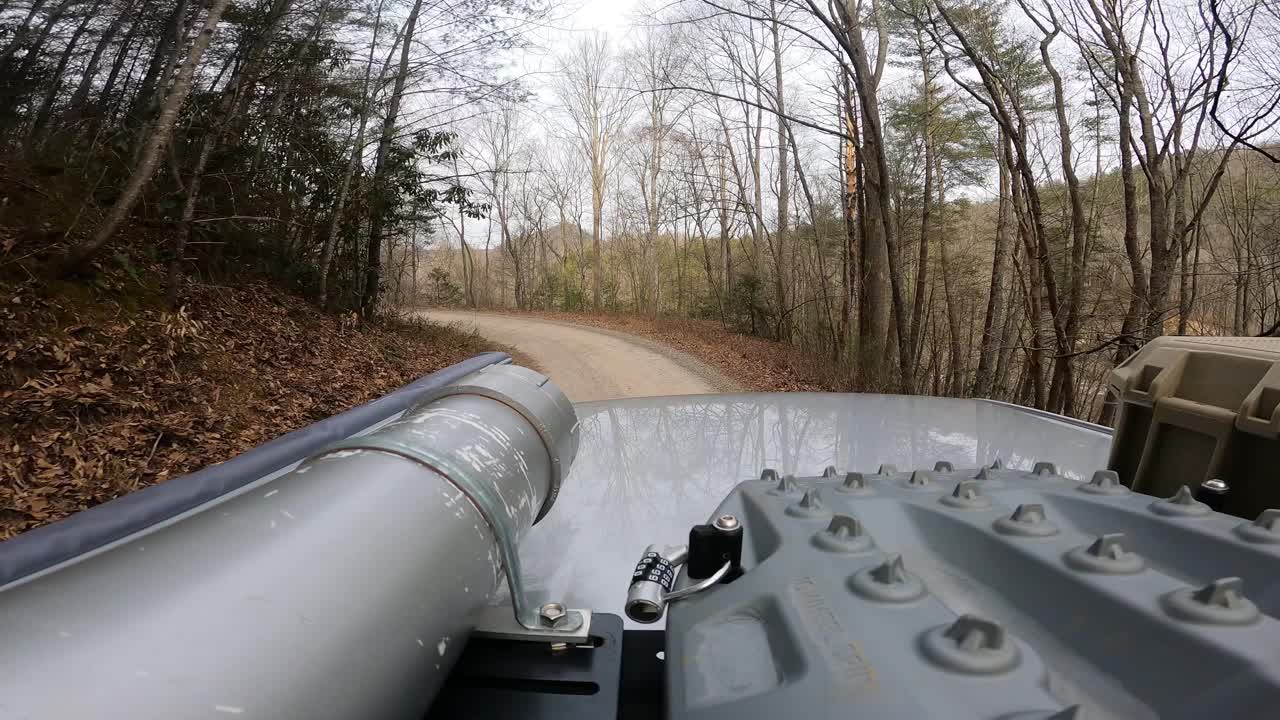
534, 680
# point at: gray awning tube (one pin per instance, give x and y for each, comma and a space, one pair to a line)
90, 529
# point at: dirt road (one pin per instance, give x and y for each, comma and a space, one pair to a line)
592, 364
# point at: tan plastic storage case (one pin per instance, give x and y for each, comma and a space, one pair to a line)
1192, 409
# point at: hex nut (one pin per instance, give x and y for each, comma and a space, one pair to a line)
552, 615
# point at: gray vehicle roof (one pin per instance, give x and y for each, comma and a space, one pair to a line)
648, 469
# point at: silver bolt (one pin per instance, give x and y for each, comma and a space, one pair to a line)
552, 614
1215, 486
726, 523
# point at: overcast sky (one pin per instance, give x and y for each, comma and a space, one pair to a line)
572, 19
611, 16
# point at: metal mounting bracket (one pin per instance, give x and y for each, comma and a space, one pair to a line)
496, 622
550, 621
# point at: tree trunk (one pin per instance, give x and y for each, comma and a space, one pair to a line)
37, 47
992, 335
227, 107
1032, 293
926, 205
955, 380
162, 59
1063, 401
183, 232
150, 155
378, 209
882, 280
757, 189
36, 131
823, 281
780, 279
19, 35
1138, 297
597, 211
726, 256
657, 129
353, 160
283, 91
117, 65
851, 218
81, 95
1008, 334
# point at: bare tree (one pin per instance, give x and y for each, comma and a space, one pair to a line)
598, 110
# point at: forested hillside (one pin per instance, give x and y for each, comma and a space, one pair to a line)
957, 198
195, 202
303, 138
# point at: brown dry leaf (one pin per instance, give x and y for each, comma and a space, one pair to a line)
90, 385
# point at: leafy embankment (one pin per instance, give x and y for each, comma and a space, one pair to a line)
104, 391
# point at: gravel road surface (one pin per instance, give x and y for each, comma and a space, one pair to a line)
590, 363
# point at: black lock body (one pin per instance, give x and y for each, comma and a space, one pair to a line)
710, 547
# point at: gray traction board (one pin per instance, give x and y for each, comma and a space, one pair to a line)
981, 593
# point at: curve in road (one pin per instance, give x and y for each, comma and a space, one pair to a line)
592, 364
